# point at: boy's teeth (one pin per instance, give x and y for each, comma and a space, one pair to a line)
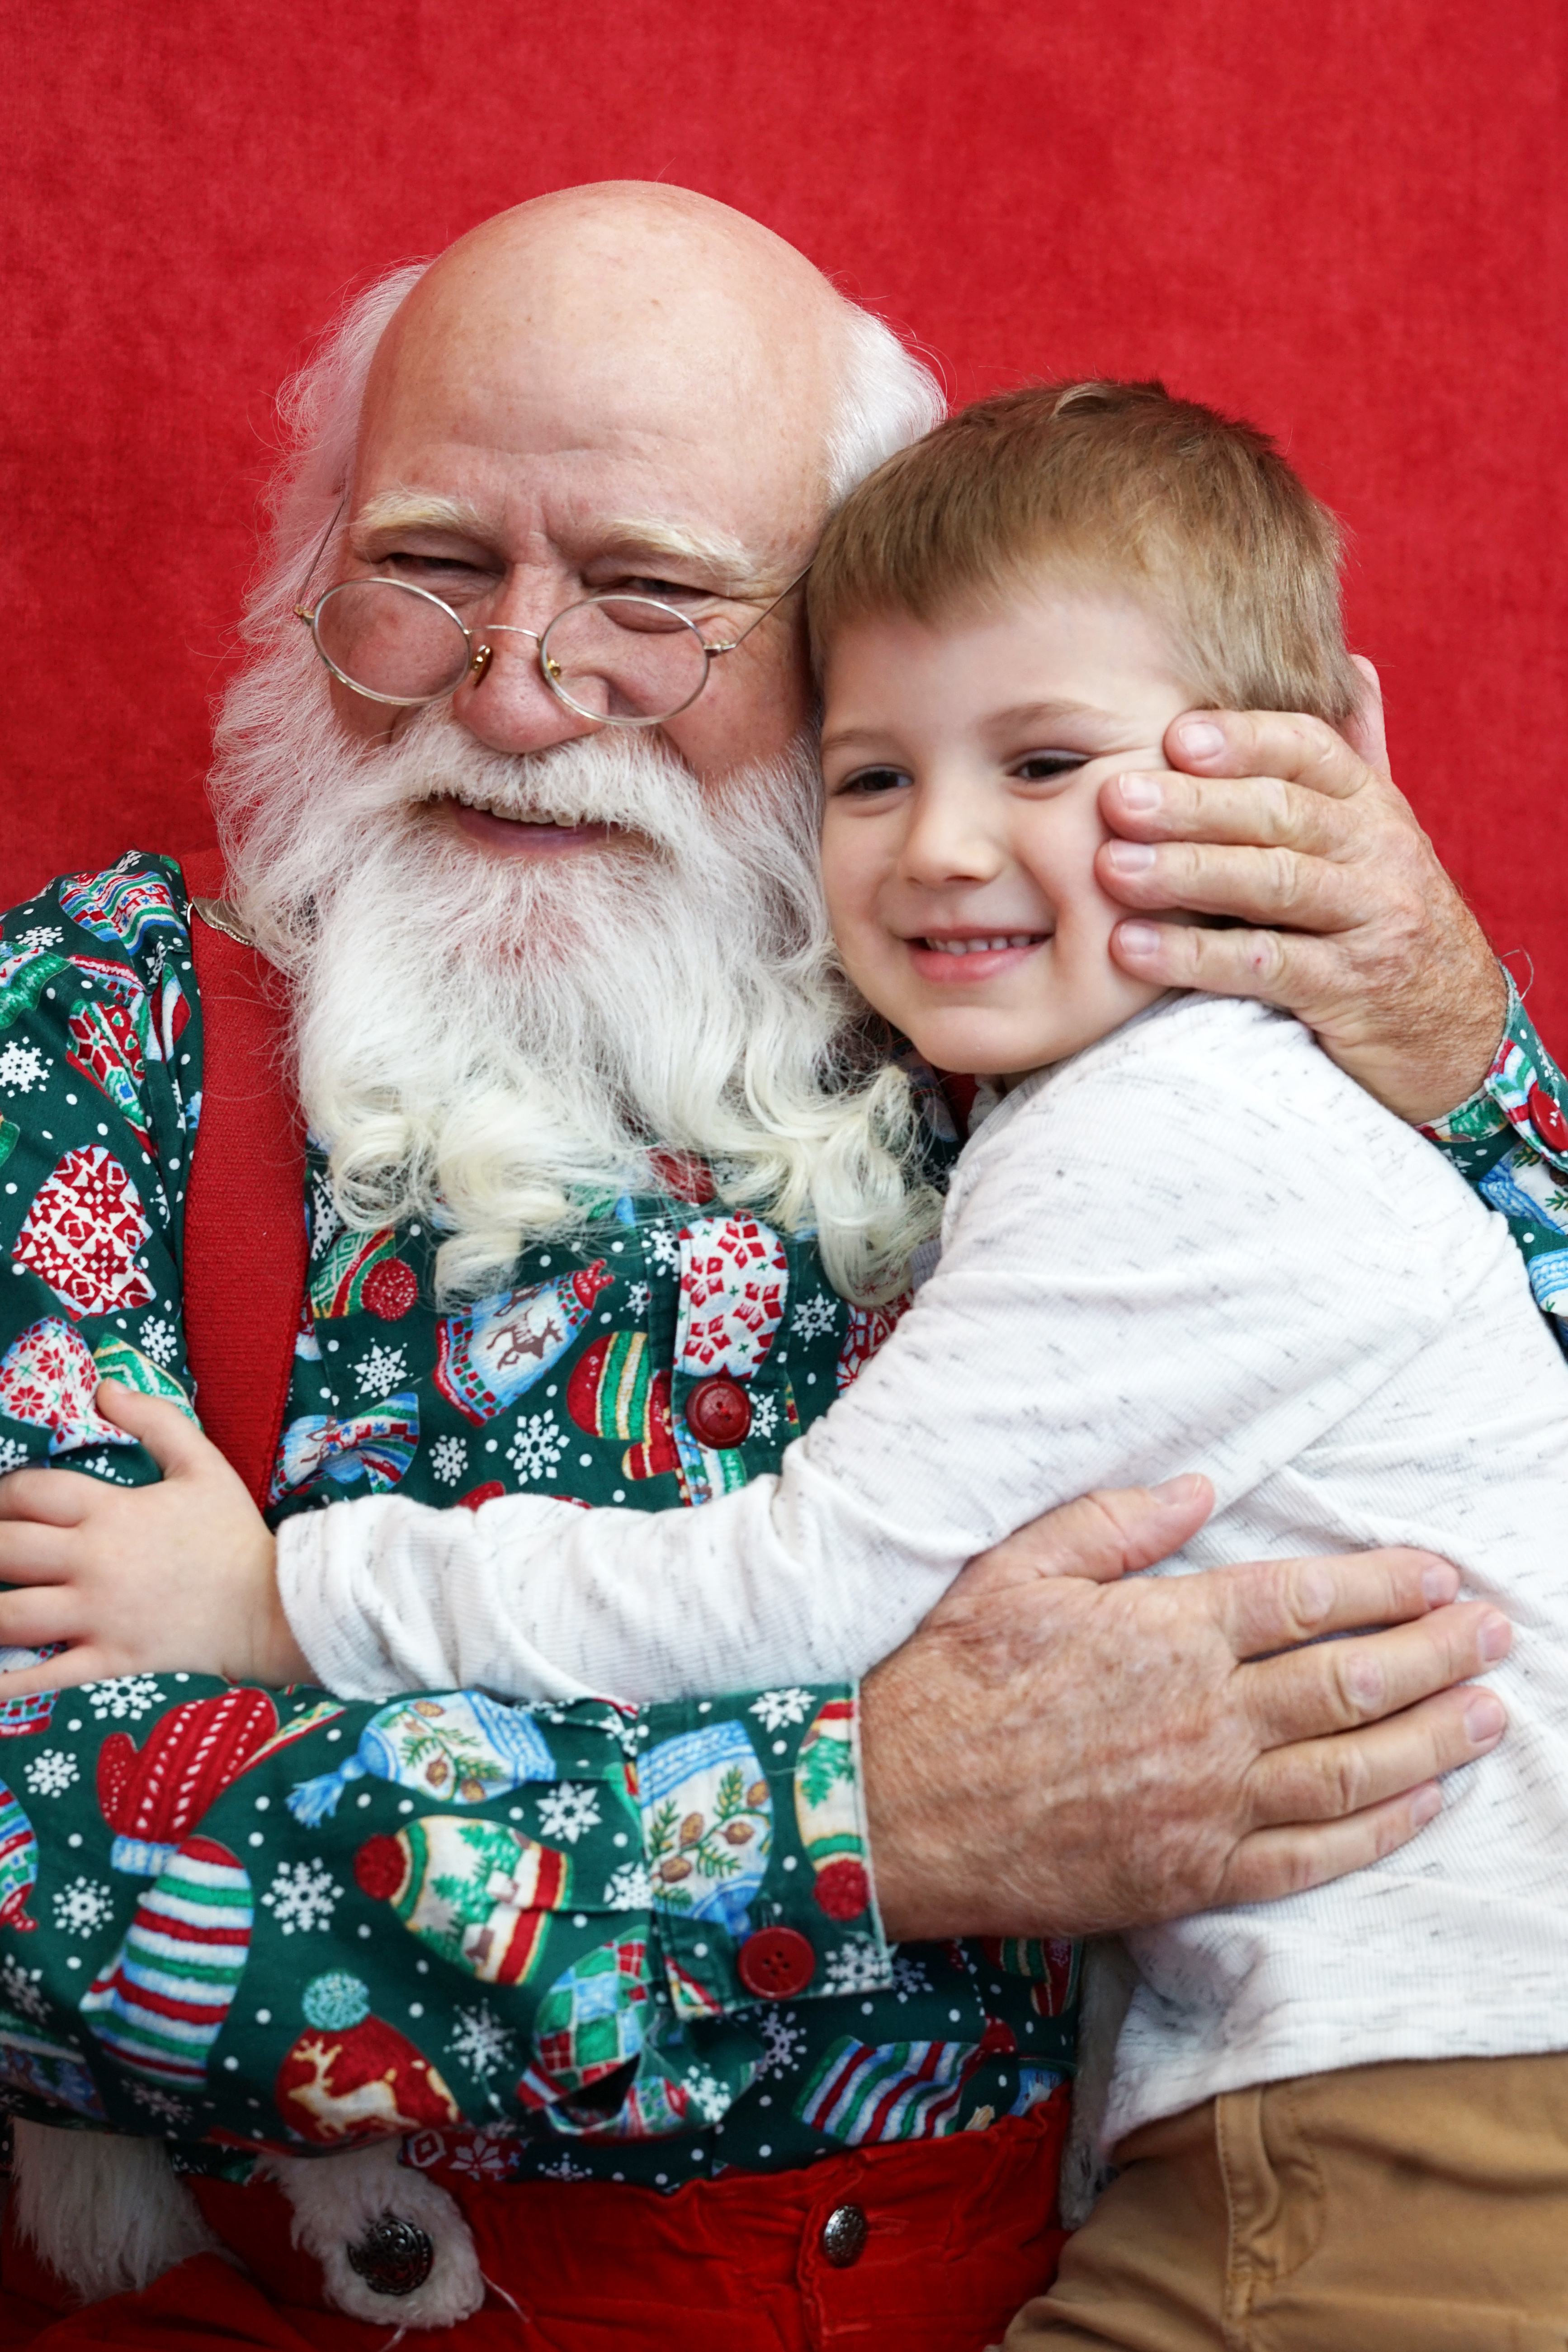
981, 947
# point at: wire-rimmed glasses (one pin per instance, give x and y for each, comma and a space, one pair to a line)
619, 659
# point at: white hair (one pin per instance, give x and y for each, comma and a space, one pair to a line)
886, 398
492, 1043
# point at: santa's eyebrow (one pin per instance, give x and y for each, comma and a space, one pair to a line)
716, 552
395, 510
723, 558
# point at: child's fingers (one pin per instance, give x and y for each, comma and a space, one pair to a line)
32, 1618
85, 1664
51, 1499
170, 1436
31, 1553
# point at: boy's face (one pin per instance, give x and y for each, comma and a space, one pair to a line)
962, 762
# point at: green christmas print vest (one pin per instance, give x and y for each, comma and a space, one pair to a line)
568, 1941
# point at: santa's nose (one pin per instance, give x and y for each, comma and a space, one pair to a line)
510, 706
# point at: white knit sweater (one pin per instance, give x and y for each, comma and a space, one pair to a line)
1197, 1246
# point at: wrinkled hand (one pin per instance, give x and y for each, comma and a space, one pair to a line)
142, 1579
1052, 1752
1278, 821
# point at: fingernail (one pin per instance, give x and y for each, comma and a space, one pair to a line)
1141, 793
1496, 1639
1484, 1718
1423, 1804
1440, 1582
1128, 856
1201, 739
1138, 938
1175, 1490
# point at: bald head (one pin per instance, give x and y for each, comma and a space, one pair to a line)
625, 316
625, 387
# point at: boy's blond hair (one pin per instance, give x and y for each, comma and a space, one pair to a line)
1108, 484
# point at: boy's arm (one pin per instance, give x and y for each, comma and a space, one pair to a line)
1136, 1287
1509, 1140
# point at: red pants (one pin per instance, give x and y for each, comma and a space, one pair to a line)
961, 2232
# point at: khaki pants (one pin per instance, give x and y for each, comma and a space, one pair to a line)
1410, 2208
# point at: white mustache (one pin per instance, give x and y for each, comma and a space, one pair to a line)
592, 779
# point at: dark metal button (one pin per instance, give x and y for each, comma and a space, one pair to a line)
775, 1962
394, 2257
844, 2236
719, 1412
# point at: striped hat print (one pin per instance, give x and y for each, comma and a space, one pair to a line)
163, 2000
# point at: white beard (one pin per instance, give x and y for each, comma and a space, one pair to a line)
491, 1041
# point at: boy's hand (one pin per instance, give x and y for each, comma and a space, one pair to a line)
142, 1579
1345, 916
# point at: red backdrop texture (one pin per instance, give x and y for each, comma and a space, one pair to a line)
1343, 218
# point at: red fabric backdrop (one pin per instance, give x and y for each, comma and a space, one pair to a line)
1345, 219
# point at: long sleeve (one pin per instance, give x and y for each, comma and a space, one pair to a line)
100, 1097
1509, 1140
1172, 1253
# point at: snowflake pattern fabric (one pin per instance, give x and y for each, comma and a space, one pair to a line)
1511, 1141
125, 1697
569, 1813
459, 1915
536, 1447
22, 1067
302, 1897
51, 1772
448, 1459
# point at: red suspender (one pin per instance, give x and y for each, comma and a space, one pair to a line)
245, 1207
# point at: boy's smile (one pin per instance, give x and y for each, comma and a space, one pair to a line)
964, 760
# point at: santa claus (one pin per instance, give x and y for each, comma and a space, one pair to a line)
518, 801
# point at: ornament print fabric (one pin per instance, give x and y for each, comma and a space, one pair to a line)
1511, 1141
528, 1940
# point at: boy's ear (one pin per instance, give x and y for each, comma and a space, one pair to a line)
1364, 730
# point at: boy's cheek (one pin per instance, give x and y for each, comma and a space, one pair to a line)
853, 870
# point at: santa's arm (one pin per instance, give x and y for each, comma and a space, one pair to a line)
1509, 1140
1116, 1342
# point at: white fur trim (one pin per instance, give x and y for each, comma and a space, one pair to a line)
336, 2199
105, 2213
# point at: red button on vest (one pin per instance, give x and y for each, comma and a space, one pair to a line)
775, 1963
719, 1412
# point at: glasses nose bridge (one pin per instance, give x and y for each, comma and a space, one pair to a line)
484, 629
522, 586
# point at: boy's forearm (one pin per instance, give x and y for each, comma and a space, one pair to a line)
384, 1595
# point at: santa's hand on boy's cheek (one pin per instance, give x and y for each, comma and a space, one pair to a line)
1279, 822
149, 1579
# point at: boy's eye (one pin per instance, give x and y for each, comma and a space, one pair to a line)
866, 781
1039, 767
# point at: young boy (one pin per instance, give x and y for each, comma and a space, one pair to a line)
1179, 1239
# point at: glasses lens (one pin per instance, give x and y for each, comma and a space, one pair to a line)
628, 661
394, 643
